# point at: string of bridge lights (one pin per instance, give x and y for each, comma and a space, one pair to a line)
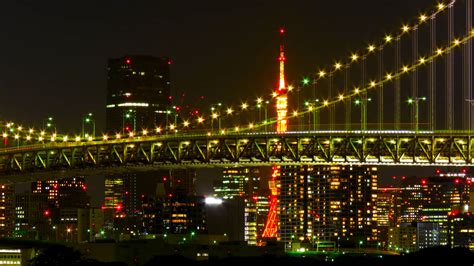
42, 135
388, 39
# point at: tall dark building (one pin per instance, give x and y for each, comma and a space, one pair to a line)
138, 92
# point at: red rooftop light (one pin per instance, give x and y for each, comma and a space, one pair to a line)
128, 61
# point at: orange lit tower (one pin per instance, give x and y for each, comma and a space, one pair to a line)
281, 92
271, 225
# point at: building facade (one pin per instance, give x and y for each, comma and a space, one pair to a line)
138, 93
321, 204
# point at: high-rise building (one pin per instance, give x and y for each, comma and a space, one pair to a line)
245, 183
181, 214
238, 182
121, 194
33, 217
461, 230
387, 212
63, 193
6, 210
431, 199
320, 204
138, 92
179, 182
89, 224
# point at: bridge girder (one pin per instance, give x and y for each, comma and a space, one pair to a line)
243, 149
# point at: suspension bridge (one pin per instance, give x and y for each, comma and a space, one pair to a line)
405, 99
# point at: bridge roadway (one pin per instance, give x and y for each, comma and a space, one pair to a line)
197, 150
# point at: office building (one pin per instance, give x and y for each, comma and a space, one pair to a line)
431, 199
138, 93
63, 193
33, 217
6, 210
320, 204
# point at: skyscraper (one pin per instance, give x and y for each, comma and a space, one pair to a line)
65, 192
321, 204
245, 184
138, 92
432, 199
6, 210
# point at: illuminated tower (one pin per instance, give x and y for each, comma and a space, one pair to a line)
271, 225
281, 92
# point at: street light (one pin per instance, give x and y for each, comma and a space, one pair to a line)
312, 107
126, 115
363, 111
49, 123
88, 119
216, 114
415, 102
261, 103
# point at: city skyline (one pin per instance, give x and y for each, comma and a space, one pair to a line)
324, 130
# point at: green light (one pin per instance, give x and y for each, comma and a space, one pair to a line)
48, 125
50, 118
127, 115
88, 120
305, 81
165, 235
193, 233
410, 101
357, 102
306, 103
102, 232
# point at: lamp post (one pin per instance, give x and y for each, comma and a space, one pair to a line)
363, 111
49, 123
126, 115
312, 107
216, 114
471, 101
415, 102
88, 119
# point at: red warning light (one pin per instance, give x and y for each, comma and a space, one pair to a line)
282, 30
128, 61
423, 182
438, 171
46, 213
456, 181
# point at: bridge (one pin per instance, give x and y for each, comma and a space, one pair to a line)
410, 107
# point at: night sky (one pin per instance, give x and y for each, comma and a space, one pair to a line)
54, 53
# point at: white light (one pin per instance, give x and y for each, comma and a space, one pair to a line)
213, 201
133, 104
